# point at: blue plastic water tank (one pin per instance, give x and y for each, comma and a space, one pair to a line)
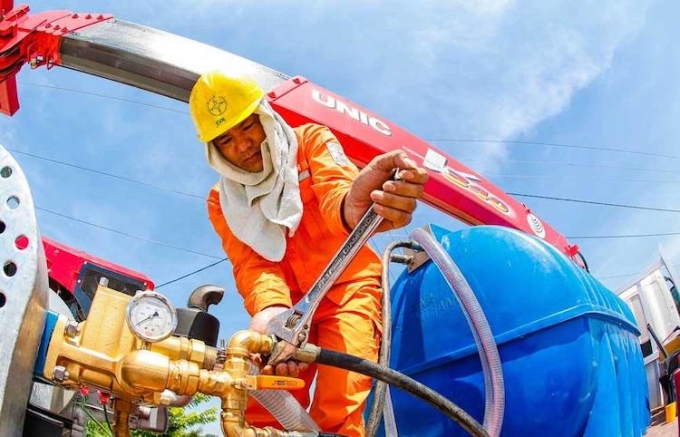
571, 358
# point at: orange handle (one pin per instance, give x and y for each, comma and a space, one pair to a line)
279, 382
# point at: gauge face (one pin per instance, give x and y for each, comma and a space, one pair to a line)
151, 316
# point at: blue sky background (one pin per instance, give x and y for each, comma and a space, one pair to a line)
602, 74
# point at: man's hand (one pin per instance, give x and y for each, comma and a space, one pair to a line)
259, 323
395, 199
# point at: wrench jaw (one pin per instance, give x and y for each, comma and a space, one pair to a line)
282, 352
291, 329
283, 326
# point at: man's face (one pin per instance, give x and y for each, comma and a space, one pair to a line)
240, 145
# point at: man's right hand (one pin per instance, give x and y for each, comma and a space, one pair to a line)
395, 200
259, 323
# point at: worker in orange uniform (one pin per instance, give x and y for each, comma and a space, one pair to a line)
285, 202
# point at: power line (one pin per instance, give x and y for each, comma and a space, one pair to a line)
148, 240
593, 237
574, 164
580, 177
432, 140
441, 140
618, 205
617, 276
628, 274
192, 273
127, 179
123, 178
104, 96
220, 260
570, 146
170, 190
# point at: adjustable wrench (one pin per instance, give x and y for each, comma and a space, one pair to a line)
293, 325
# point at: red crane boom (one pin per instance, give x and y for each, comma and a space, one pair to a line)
169, 65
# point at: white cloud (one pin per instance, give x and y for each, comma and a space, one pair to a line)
498, 77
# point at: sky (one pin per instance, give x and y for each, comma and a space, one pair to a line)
562, 99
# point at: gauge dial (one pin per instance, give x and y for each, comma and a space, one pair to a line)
151, 316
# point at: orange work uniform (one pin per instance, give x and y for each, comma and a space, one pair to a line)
349, 318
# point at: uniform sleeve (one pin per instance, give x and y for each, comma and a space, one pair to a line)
331, 171
259, 281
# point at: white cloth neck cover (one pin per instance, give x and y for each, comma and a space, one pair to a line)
259, 207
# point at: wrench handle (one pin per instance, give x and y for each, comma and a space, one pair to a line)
293, 325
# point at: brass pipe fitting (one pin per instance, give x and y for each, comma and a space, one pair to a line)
237, 365
246, 342
149, 371
233, 424
144, 370
182, 348
121, 425
239, 348
233, 428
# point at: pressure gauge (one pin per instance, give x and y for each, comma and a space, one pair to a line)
151, 316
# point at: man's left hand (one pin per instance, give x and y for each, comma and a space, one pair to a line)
259, 323
395, 200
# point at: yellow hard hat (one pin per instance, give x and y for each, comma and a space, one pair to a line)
219, 102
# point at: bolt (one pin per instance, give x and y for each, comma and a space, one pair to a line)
60, 373
271, 94
72, 329
33, 62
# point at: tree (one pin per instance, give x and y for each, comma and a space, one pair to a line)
181, 422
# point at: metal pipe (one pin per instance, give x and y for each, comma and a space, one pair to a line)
153, 60
121, 418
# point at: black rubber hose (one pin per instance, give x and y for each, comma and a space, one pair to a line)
403, 382
386, 345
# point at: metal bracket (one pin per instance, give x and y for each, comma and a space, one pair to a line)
23, 294
419, 257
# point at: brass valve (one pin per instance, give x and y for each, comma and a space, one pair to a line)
103, 352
